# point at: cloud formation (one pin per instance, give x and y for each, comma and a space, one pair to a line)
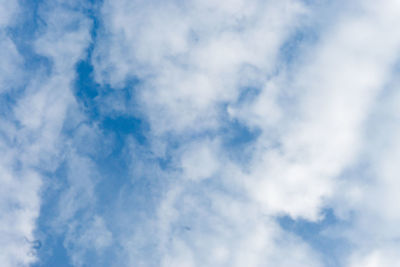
199, 133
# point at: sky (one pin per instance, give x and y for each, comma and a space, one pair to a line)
231, 133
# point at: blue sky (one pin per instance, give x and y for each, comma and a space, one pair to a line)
199, 133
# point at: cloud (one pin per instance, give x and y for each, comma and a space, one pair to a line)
20, 204
369, 195
181, 57
334, 91
8, 11
10, 64
19, 199
188, 71
379, 257
195, 67
202, 225
199, 161
32, 122
93, 235
157, 133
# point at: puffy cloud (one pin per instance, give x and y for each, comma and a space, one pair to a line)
334, 93
190, 61
193, 57
368, 197
195, 63
206, 226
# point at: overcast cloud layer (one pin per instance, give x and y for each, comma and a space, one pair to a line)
195, 133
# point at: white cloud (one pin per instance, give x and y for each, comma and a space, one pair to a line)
333, 92
31, 138
367, 195
376, 258
188, 69
203, 226
192, 59
8, 10
19, 204
19, 199
370, 198
199, 161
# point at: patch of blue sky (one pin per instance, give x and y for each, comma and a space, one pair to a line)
7, 101
52, 252
237, 139
115, 132
292, 48
332, 248
55, 249
248, 94
122, 187
94, 97
111, 162
29, 25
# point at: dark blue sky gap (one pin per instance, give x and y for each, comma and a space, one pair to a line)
114, 164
